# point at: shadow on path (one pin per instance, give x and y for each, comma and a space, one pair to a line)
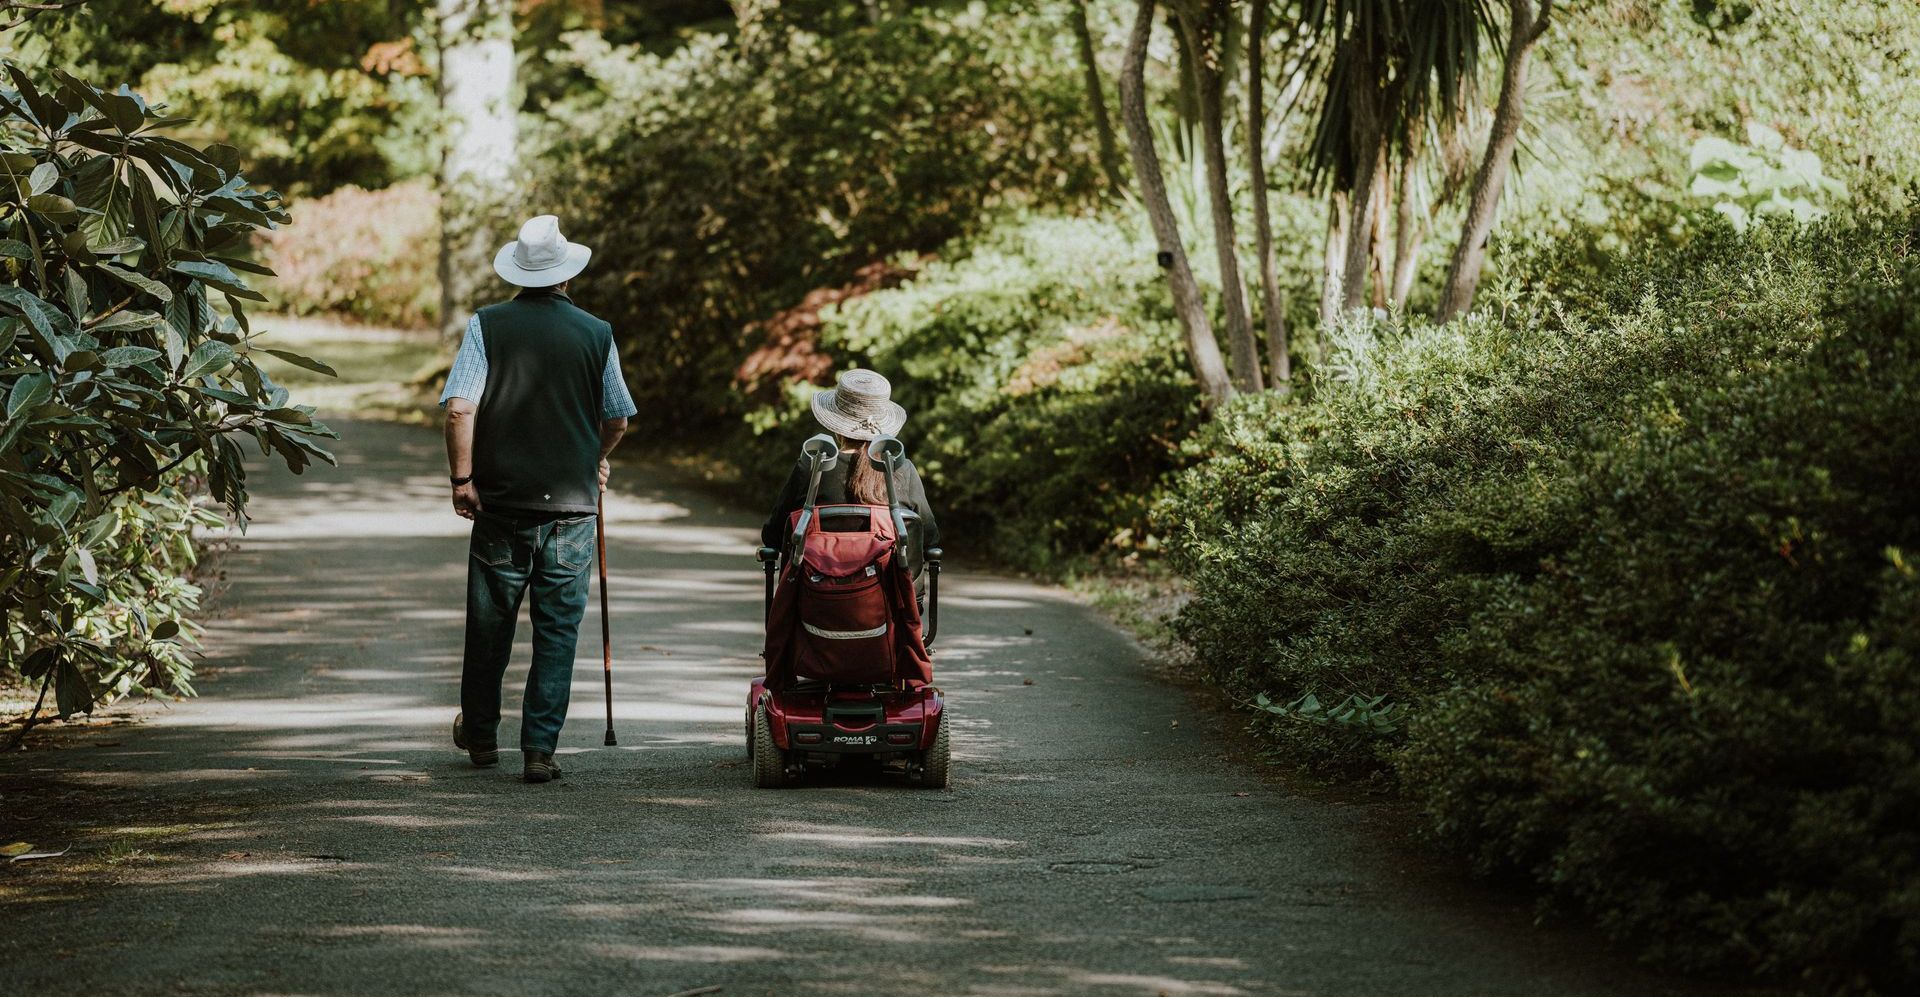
306, 827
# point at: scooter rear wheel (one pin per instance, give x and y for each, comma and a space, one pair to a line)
933, 768
769, 761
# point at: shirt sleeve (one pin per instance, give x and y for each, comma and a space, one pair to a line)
917, 498
615, 401
469, 375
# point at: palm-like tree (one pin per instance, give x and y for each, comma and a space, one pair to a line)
1390, 71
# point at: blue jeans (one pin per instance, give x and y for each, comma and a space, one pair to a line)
509, 552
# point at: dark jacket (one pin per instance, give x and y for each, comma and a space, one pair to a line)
536, 440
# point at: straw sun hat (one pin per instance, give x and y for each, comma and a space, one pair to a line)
859, 407
541, 257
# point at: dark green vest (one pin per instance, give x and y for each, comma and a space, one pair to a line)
536, 437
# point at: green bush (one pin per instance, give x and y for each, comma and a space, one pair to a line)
127, 371
1041, 369
1636, 560
367, 255
718, 189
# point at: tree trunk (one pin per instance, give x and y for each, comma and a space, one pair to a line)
1353, 293
1377, 232
1186, 94
1273, 313
1333, 271
1096, 96
1202, 350
477, 162
1409, 231
1470, 254
1204, 29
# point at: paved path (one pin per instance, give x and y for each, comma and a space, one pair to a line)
305, 827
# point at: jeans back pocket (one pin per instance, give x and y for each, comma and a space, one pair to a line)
572, 543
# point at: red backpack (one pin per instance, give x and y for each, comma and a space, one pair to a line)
845, 609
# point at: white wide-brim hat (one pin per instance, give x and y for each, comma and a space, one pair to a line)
859, 407
541, 257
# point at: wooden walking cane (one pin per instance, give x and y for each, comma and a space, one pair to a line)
606, 626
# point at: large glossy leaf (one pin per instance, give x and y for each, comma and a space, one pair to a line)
54, 206
27, 392
217, 275
141, 281
98, 186
36, 311
127, 356
207, 358
302, 361
127, 321
72, 694
79, 301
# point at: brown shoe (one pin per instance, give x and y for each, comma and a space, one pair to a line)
483, 757
540, 767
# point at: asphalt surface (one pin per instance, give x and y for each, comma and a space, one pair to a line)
307, 828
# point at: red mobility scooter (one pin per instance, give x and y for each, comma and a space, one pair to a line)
848, 673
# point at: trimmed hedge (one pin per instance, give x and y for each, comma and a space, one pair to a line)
1637, 571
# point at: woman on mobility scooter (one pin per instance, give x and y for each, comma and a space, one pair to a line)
851, 541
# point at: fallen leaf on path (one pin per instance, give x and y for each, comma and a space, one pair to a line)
695, 992
1243, 794
1026, 681
17, 848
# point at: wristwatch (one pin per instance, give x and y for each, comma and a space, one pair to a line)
457, 482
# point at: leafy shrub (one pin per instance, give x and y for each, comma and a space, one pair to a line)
1042, 376
368, 255
717, 190
121, 377
1768, 177
1641, 573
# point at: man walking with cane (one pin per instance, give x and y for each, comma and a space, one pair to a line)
535, 403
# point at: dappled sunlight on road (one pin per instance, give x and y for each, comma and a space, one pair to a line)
310, 810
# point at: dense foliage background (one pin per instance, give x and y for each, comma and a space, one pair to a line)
1612, 577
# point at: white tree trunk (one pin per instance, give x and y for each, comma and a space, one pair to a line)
478, 152
1409, 231
1333, 271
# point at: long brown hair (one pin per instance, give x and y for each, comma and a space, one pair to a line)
865, 485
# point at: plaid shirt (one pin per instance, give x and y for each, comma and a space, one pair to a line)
469, 376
